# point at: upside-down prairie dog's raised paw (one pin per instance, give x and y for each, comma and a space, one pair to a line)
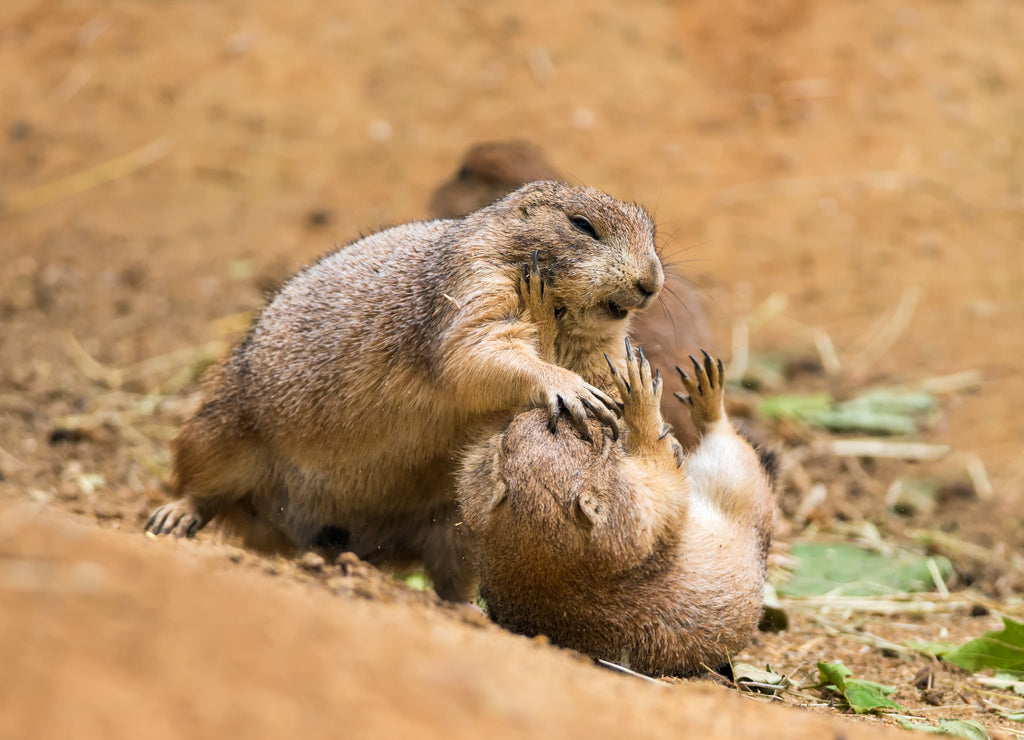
614, 548
346, 408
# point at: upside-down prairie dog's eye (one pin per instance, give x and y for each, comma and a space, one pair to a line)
581, 224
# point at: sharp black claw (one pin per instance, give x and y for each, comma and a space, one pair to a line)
640, 354
682, 373
610, 365
581, 424
629, 351
698, 369
683, 399
665, 432
553, 421
721, 370
709, 363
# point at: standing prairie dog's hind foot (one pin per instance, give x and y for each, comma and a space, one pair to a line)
180, 518
707, 392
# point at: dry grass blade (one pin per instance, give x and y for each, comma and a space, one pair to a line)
915, 603
888, 333
628, 672
87, 179
965, 380
865, 638
875, 447
89, 366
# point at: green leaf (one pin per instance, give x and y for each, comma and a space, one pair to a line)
951, 727
875, 412
796, 405
1015, 716
937, 649
1003, 649
861, 696
833, 674
868, 696
861, 420
850, 570
893, 402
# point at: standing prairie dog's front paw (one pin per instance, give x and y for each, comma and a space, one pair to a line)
537, 303
707, 392
641, 401
571, 394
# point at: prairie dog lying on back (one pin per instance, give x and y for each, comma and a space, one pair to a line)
625, 549
339, 420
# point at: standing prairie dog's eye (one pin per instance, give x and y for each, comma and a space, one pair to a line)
581, 224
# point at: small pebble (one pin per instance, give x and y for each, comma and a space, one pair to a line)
312, 562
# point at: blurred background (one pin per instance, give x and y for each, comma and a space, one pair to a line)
842, 183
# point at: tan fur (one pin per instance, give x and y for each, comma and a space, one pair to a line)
668, 332
347, 405
624, 550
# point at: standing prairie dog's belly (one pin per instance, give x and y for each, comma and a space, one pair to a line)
348, 404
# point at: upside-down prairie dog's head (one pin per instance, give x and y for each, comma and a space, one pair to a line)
596, 252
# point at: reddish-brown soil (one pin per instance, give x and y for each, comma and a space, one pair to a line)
849, 171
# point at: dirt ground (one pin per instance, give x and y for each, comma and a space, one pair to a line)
830, 175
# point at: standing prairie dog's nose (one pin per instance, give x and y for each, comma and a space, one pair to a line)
650, 281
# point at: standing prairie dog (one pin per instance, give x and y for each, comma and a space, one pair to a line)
340, 418
629, 549
667, 332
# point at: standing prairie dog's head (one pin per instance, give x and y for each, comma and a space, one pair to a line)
596, 252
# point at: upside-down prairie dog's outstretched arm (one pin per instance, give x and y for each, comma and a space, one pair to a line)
724, 468
721, 479
649, 439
